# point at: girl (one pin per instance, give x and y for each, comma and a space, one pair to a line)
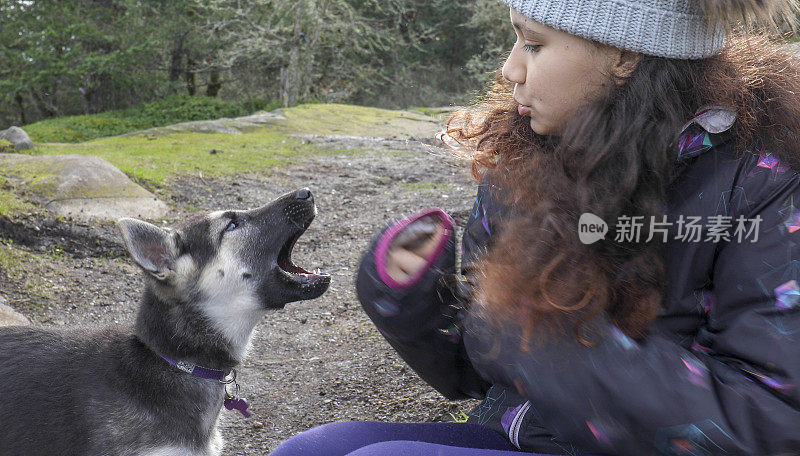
631, 264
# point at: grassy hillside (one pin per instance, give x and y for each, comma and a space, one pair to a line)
153, 158
167, 111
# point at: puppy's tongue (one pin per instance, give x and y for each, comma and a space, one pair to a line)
287, 265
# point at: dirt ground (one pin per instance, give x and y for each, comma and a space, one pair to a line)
311, 363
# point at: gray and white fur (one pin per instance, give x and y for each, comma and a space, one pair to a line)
107, 391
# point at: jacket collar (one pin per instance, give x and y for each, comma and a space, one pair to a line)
709, 127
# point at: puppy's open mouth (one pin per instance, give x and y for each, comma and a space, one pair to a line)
295, 274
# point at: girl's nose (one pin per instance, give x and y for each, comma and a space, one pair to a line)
514, 68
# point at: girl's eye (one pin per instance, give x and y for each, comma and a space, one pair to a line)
232, 225
532, 48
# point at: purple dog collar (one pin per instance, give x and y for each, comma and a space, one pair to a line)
198, 371
232, 401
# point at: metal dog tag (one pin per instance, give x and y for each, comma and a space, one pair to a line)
186, 367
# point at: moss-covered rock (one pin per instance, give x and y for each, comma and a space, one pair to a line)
78, 186
18, 137
339, 119
317, 119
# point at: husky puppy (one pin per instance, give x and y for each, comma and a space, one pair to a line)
157, 388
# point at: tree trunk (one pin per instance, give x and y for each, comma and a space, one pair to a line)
176, 62
289, 81
86, 99
18, 99
290, 74
308, 57
86, 95
214, 83
49, 109
190, 76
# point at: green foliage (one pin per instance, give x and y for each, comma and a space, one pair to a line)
6, 147
171, 110
433, 112
72, 129
75, 57
182, 108
259, 104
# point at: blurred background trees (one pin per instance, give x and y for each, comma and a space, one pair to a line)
72, 57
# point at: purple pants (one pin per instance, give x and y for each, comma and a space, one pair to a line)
371, 438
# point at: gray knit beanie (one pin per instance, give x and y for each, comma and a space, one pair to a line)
680, 29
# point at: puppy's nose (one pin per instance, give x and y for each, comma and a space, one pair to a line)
303, 194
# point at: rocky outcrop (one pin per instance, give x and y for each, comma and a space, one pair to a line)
236, 125
80, 186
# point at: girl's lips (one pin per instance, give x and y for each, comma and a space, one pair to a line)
524, 110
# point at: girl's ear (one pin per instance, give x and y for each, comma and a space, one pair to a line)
623, 64
154, 249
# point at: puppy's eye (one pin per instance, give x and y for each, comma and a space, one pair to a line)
232, 225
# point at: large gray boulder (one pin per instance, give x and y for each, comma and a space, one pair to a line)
18, 137
80, 186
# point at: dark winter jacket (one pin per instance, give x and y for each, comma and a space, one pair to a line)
718, 372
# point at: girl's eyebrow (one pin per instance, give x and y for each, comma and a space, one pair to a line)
526, 30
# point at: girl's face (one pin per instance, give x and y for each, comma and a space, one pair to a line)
556, 73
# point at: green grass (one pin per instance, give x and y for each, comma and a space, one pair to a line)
340, 119
167, 111
428, 187
36, 275
73, 129
12, 204
10, 256
152, 161
433, 112
26, 269
6, 147
312, 118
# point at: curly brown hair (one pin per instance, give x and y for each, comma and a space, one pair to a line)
615, 157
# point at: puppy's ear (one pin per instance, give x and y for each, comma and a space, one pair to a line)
154, 249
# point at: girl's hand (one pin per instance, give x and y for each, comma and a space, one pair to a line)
412, 247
